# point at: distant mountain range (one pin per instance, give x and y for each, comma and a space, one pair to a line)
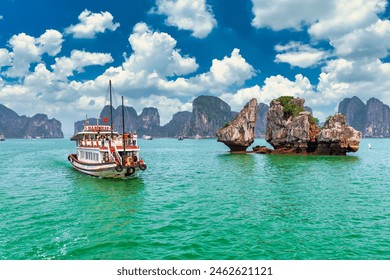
148, 122
372, 119
210, 113
14, 126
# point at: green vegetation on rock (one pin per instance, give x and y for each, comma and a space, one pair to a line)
313, 120
289, 107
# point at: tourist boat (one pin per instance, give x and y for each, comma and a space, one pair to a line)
147, 137
2, 137
104, 153
180, 138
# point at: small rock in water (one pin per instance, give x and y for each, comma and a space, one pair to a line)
262, 150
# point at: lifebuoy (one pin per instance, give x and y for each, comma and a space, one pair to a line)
119, 168
142, 166
130, 171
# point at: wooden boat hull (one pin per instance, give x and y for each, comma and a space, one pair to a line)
103, 170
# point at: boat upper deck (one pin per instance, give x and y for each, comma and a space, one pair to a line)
93, 131
100, 136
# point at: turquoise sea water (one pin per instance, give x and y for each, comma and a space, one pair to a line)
195, 201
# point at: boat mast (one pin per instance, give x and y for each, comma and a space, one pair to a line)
123, 128
110, 87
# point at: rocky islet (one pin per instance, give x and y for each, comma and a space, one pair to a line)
239, 133
291, 129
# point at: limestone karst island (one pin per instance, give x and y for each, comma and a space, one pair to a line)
290, 129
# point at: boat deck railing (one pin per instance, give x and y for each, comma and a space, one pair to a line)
106, 143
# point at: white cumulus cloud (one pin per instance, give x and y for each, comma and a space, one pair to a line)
300, 55
278, 85
228, 71
39, 80
65, 66
342, 78
27, 49
346, 16
273, 87
155, 52
155, 58
241, 97
91, 24
370, 42
50, 42
157, 66
293, 14
193, 15
5, 58
356, 65
325, 19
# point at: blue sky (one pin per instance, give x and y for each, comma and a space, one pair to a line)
57, 59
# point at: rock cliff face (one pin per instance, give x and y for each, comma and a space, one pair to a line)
239, 133
285, 131
377, 120
372, 119
208, 114
261, 122
147, 122
179, 125
355, 111
14, 126
131, 118
337, 138
290, 129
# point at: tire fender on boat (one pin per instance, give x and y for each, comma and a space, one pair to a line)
130, 171
142, 166
119, 168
